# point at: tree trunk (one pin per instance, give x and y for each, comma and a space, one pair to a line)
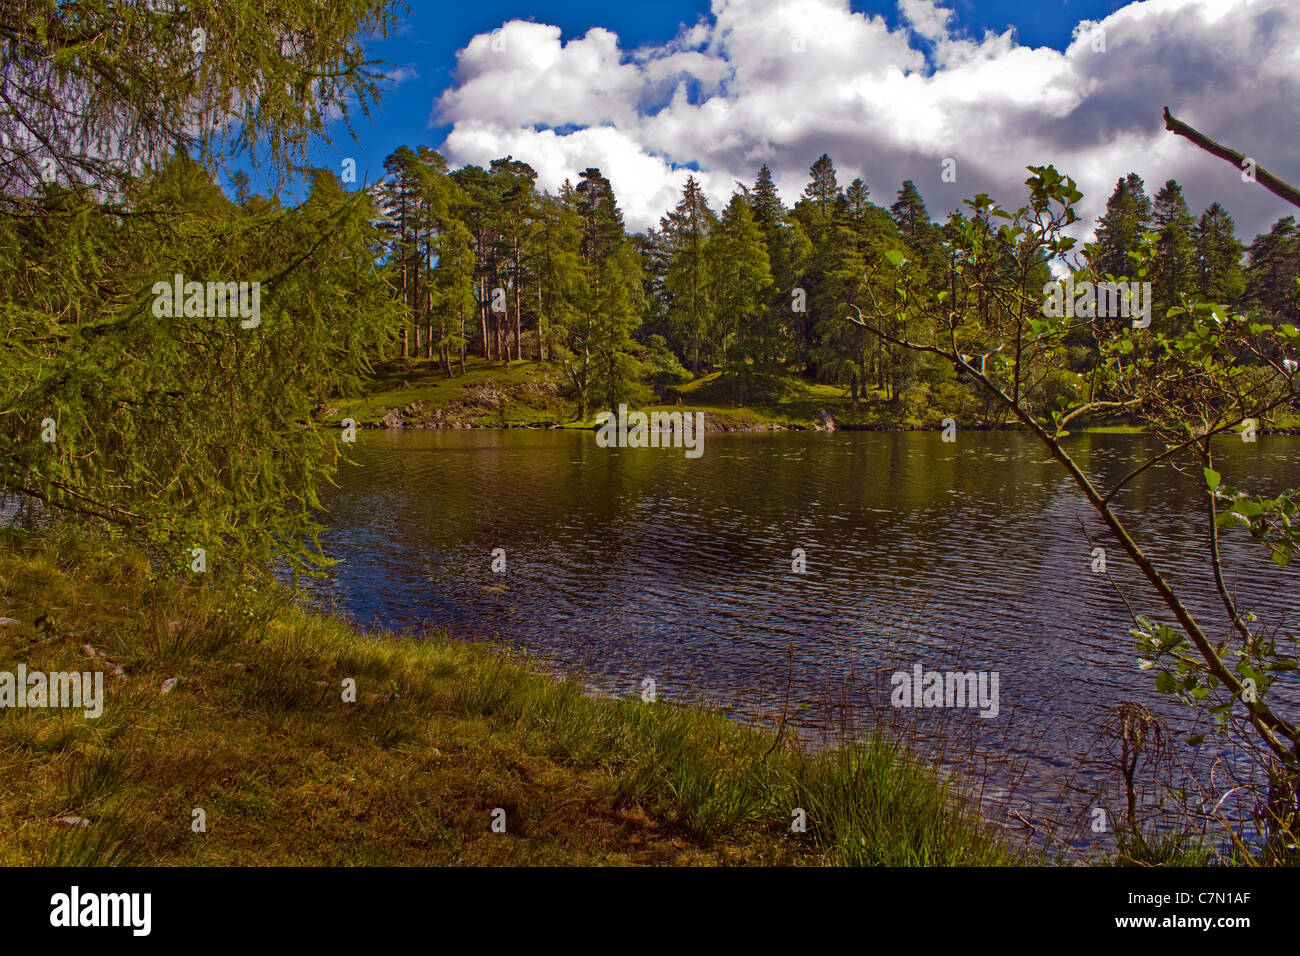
483, 316
405, 299
519, 294
464, 341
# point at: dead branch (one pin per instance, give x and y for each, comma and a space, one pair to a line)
1262, 176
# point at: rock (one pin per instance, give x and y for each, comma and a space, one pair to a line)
87, 650
169, 684
7, 622
73, 821
118, 672
828, 421
392, 420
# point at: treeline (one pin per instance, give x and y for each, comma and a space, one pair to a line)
488, 264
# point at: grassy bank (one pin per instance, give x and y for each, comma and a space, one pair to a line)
417, 393
254, 731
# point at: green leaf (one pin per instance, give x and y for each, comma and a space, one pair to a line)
895, 257
1211, 478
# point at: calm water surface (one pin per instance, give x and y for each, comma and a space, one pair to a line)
624, 564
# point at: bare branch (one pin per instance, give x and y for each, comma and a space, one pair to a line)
1262, 176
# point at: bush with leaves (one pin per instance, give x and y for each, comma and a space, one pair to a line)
1191, 389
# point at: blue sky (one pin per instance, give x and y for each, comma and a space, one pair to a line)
433, 32
992, 85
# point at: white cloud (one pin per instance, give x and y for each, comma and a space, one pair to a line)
399, 75
927, 18
781, 81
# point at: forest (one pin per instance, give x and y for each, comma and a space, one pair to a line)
487, 264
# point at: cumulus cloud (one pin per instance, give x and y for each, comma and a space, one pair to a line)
782, 81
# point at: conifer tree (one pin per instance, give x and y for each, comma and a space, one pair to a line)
1219, 276
686, 280
1175, 261
740, 275
1127, 217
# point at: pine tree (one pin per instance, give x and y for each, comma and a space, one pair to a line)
857, 205
1175, 263
823, 191
562, 273
1128, 215
602, 231
788, 253
482, 215
686, 280
765, 203
1273, 263
453, 291
818, 212
518, 202
598, 353
909, 211
615, 371
399, 197
740, 276
1219, 276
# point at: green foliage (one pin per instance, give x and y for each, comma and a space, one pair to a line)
762, 290
1195, 371
190, 430
258, 77
691, 310
740, 274
187, 423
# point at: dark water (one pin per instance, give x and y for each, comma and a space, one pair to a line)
625, 564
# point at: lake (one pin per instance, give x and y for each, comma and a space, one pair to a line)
627, 565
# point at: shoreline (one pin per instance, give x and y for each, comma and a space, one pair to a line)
438, 737
417, 394
1290, 431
